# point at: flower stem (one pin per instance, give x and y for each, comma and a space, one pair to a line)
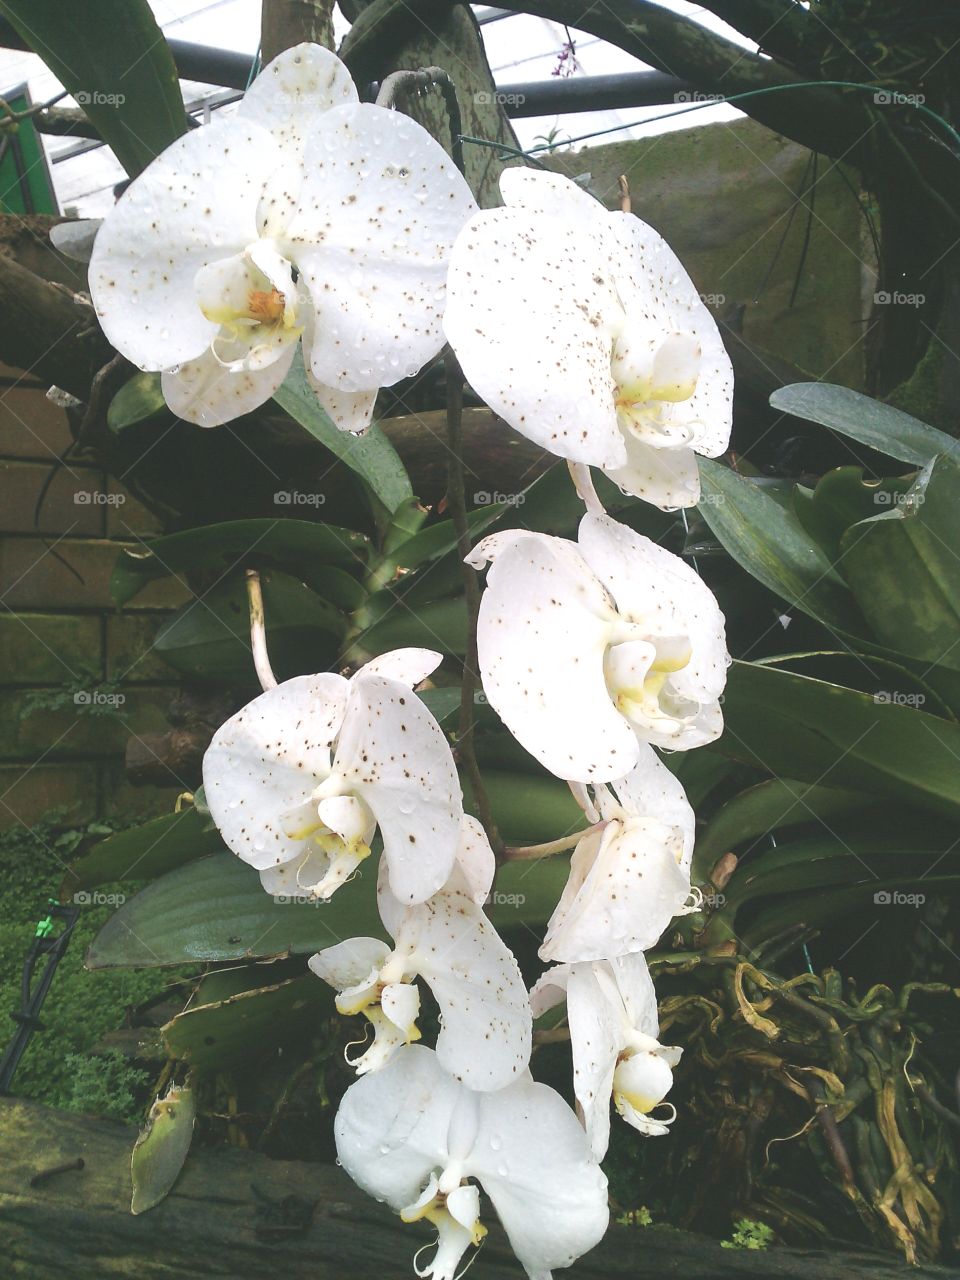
528, 852
258, 631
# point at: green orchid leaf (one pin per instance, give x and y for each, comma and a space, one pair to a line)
877, 425
161, 1149
840, 499
795, 726
143, 852
371, 455
327, 558
904, 568
136, 401
766, 538
115, 62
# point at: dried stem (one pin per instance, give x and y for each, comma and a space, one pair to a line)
529, 852
258, 632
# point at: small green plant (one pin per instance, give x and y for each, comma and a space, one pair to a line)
641, 1217
105, 1085
748, 1234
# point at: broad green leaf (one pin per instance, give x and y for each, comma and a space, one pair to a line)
327, 558
246, 1025
871, 422
904, 568
797, 727
530, 809
872, 672
143, 852
136, 401
371, 455
215, 909
438, 624
840, 499
209, 638
768, 540
161, 1149
768, 807
112, 57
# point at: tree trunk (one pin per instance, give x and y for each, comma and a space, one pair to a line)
284, 23
240, 1215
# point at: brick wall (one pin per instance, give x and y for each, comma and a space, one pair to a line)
67, 656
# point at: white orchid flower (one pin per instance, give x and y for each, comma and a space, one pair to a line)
612, 1016
412, 1136
583, 331
485, 1031
631, 876
589, 649
305, 213
300, 778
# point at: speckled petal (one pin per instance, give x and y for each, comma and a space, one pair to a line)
551, 195
652, 791
408, 666
349, 963
667, 478
266, 761
292, 95
544, 624
196, 203
393, 754
531, 314
380, 207
206, 393
349, 410
484, 1038
653, 285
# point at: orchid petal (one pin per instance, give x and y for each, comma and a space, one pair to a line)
544, 624
595, 1041
380, 207
532, 314
266, 761
347, 964
204, 392
667, 478
392, 753
410, 666
475, 860
194, 204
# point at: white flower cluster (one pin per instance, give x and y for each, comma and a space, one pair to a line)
308, 215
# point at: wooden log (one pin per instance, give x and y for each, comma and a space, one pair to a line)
244, 1216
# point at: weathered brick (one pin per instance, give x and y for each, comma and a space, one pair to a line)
129, 516
34, 577
43, 648
31, 426
33, 794
74, 501
131, 657
58, 725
